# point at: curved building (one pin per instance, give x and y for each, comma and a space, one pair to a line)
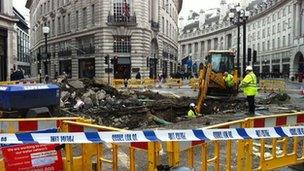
274, 30
139, 36
8, 39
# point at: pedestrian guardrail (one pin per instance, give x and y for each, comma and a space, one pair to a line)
257, 143
148, 83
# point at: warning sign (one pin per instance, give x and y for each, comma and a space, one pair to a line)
32, 157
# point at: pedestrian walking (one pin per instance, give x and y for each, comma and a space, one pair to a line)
138, 76
249, 85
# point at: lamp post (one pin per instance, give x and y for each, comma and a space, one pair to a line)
238, 17
46, 31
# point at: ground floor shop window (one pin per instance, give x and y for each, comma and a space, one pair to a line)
86, 68
3, 57
122, 68
65, 67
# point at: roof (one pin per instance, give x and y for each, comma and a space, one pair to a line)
252, 4
191, 26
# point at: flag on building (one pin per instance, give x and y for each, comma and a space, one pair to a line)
126, 9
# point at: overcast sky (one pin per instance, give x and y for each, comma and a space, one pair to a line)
20, 6
188, 5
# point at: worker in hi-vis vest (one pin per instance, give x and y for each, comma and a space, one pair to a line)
192, 113
228, 78
249, 85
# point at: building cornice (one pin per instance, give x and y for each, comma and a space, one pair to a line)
8, 18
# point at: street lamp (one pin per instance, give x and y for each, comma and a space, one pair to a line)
238, 17
46, 31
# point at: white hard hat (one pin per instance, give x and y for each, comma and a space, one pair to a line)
192, 105
249, 68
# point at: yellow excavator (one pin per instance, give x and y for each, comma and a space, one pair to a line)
211, 75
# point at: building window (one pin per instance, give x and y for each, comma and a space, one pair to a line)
263, 46
289, 39
122, 44
273, 44
63, 24
69, 23
52, 5
85, 45
259, 47
284, 12
121, 8
289, 22
167, 29
84, 17
77, 19
53, 27
279, 42
196, 48
163, 25
268, 31
273, 17
263, 33
189, 49
284, 41
48, 5
183, 49
279, 27
59, 25
93, 14
202, 47
273, 29
268, 45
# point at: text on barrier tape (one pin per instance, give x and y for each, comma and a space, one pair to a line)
152, 135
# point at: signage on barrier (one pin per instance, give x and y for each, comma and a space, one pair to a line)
34, 157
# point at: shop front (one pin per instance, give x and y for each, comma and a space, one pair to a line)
87, 68
122, 68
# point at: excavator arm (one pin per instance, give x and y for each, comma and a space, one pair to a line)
204, 79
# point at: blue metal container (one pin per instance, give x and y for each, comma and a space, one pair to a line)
17, 97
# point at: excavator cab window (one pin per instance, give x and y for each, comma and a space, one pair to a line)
221, 62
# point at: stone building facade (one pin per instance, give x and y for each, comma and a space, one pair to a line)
23, 44
8, 39
273, 30
141, 36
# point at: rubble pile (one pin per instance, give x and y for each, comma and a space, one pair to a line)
130, 109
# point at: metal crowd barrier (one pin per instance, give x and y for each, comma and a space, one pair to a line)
273, 85
174, 83
240, 155
193, 83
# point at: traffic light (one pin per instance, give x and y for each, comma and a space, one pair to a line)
254, 56
114, 60
249, 55
107, 59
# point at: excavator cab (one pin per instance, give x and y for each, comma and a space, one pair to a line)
211, 79
221, 61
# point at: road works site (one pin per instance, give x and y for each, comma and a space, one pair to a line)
165, 107
143, 125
